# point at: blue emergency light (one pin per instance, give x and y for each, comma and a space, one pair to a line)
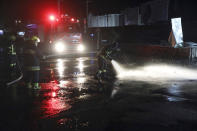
21, 33
1, 32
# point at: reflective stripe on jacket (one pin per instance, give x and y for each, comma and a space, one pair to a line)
33, 68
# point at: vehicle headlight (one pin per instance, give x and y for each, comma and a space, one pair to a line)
80, 48
59, 47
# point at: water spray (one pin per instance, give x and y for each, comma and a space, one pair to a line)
118, 68
154, 72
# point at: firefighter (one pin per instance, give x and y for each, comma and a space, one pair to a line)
32, 57
20, 44
104, 59
7, 56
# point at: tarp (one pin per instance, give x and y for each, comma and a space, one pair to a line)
154, 11
177, 30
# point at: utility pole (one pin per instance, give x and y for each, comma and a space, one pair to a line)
86, 21
59, 7
87, 2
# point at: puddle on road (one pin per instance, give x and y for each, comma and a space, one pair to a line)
84, 96
175, 99
175, 89
54, 106
176, 80
52, 102
58, 97
172, 91
59, 93
72, 123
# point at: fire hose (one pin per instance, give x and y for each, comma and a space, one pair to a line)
21, 73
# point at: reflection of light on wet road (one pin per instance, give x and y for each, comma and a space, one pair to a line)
84, 96
174, 89
175, 99
81, 80
63, 84
60, 67
81, 66
81, 59
69, 76
79, 74
53, 106
114, 91
54, 94
53, 103
155, 72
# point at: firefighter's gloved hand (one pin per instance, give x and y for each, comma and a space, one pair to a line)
109, 58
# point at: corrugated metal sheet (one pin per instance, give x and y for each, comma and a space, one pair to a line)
111, 20
148, 13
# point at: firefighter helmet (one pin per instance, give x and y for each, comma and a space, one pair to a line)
12, 37
36, 39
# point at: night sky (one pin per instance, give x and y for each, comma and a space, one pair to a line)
35, 9
25, 9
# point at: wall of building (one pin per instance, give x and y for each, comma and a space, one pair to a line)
147, 13
147, 24
109, 20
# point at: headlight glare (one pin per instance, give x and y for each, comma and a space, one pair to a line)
81, 48
59, 46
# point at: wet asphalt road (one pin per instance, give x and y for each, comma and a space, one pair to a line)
71, 99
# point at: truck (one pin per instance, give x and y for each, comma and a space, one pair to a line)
66, 37
59, 36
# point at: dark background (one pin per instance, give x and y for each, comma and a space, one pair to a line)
37, 9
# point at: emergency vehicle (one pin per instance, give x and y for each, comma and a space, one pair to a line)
66, 36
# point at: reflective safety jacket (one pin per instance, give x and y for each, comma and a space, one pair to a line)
32, 68
31, 56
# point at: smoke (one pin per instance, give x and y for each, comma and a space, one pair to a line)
154, 72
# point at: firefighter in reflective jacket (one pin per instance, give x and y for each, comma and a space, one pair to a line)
32, 63
104, 58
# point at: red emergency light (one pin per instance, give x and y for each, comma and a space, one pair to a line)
72, 19
52, 18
